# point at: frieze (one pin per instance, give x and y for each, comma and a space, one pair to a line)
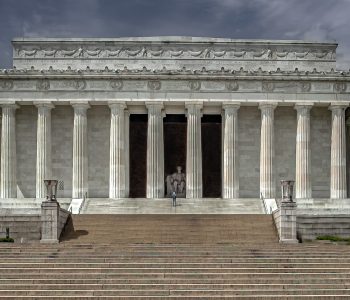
154, 53
239, 84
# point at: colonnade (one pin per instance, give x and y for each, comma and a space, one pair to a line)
119, 150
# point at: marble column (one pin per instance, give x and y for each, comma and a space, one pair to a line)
8, 180
127, 153
155, 151
80, 151
117, 157
267, 151
338, 153
194, 184
230, 152
348, 155
43, 147
302, 157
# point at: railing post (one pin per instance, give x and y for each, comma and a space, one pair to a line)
49, 222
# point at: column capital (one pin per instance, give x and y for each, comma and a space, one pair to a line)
8, 104
232, 106
338, 105
268, 105
80, 107
155, 107
194, 107
45, 104
303, 105
117, 104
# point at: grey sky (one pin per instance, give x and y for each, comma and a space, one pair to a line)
319, 20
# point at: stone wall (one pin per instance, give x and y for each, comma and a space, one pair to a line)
62, 147
320, 151
26, 117
249, 151
285, 142
98, 150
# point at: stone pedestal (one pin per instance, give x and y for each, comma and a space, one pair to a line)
50, 222
288, 222
267, 152
155, 151
302, 158
80, 151
230, 152
117, 153
338, 153
43, 147
8, 178
194, 185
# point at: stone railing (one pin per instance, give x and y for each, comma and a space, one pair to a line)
286, 222
53, 220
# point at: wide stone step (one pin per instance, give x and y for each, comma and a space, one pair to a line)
177, 292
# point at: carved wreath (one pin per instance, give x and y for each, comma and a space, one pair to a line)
78, 84
268, 86
340, 87
43, 85
116, 84
154, 85
194, 85
232, 85
6, 84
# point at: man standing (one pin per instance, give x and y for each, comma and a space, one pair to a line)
173, 195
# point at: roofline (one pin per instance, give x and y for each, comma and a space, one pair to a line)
173, 39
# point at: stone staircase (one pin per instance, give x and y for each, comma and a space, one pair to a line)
174, 257
86, 271
164, 206
170, 229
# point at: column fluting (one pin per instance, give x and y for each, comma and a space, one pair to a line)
80, 151
117, 155
338, 189
230, 152
155, 151
43, 147
267, 151
303, 157
8, 179
194, 184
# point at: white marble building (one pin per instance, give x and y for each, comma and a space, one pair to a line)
67, 108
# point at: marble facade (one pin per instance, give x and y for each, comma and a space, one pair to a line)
66, 109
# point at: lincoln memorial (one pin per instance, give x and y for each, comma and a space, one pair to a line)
144, 117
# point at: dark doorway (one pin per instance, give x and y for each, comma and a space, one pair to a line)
211, 155
175, 127
138, 155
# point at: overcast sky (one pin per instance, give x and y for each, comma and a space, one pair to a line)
318, 20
